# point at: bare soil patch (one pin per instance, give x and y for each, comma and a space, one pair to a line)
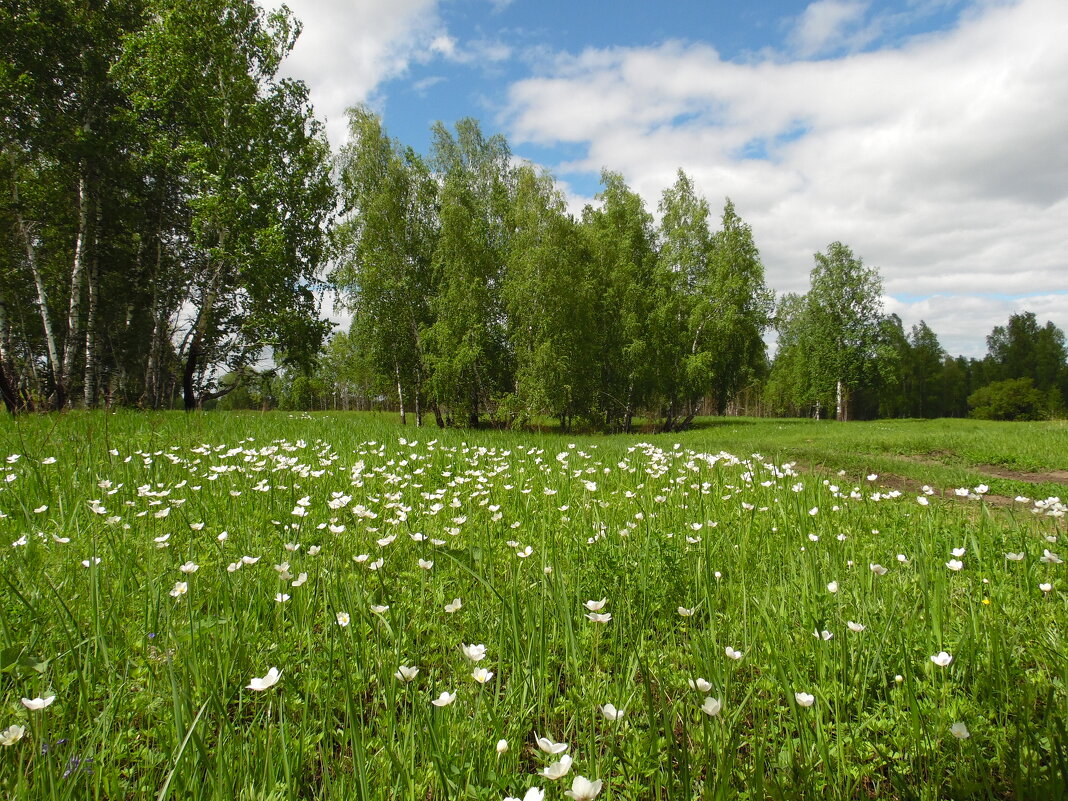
1050, 477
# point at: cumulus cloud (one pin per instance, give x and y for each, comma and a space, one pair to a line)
827, 25
349, 48
941, 160
965, 321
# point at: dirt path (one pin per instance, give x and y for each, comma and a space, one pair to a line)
1052, 477
915, 486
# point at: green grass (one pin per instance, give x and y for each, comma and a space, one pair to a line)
151, 696
1012, 458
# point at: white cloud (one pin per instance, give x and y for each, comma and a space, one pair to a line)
828, 25
966, 321
348, 48
943, 162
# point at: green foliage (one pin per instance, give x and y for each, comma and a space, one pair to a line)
168, 197
385, 244
1012, 399
834, 341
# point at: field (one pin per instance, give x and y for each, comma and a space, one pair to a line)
332, 606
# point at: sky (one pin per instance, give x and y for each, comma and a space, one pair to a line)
931, 136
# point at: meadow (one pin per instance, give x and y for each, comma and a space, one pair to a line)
331, 606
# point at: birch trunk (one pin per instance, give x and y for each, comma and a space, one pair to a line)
200, 330
72, 341
54, 363
91, 357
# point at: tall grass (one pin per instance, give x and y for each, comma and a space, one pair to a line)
151, 682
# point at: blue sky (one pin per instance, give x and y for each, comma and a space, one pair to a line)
929, 135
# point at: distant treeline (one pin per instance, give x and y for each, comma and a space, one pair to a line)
171, 217
478, 299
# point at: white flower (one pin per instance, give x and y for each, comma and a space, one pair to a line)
189, 567
960, 731
12, 734
732, 654
476, 653
805, 699
379, 609
611, 713
1045, 587
533, 794
582, 789
902, 559
595, 606
955, 564
711, 706
425, 564
376, 564
38, 703
594, 617
549, 746
684, 612
958, 552
405, 673
180, 589
454, 606
1050, 558
266, 682
1014, 557
481, 675
523, 554
502, 746
832, 587
444, 699
94, 560
942, 659
921, 500
281, 597
700, 685
557, 770
826, 635
343, 619
855, 627
249, 560
222, 536
877, 569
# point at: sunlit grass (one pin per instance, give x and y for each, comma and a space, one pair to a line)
165, 690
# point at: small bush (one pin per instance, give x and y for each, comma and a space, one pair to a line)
1015, 399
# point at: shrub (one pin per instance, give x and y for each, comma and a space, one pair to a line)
1015, 399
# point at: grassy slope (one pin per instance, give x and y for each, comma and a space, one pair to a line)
943, 453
